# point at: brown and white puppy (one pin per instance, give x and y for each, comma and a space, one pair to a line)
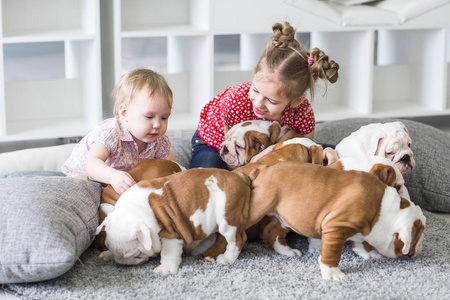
390, 140
269, 229
369, 165
164, 215
246, 139
336, 206
145, 169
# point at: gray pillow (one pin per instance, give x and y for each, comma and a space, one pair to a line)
46, 223
428, 184
181, 148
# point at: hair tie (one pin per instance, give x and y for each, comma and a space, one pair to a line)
310, 60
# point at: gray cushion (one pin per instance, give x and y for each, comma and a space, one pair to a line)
428, 184
46, 223
181, 148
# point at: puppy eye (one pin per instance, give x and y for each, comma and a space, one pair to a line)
389, 153
239, 147
409, 145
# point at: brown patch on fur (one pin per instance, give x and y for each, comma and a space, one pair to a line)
404, 203
245, 124
385, 173
145, 169
416, 232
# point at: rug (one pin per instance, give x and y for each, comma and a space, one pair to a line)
260, 274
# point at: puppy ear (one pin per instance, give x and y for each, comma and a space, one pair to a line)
255, 144
316, 153
255, 172
385, 173
274, 132
144, 236
404, 234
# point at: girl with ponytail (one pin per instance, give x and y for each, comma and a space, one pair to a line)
283, 74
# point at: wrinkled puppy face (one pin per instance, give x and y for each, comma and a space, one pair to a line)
406, 234
396, 146
129, 246
246, 139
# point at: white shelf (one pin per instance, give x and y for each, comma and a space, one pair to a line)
396, 70
50, 82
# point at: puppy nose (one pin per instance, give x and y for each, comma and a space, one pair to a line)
406, 159
224, 150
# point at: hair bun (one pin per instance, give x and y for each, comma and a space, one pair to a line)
284, 36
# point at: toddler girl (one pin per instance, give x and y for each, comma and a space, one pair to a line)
284, 72
143, 103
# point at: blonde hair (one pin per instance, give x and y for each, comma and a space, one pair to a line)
286, 57
135, 81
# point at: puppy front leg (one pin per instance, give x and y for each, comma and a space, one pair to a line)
330, 254
171, 252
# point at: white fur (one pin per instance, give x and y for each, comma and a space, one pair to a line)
126, 227
392, 220
172, 249
213, 218
235, 137
366, 163
302, 141
330, 272
286, 250
379, 139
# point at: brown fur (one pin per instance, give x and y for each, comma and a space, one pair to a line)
318, 211
149, 168
184, 193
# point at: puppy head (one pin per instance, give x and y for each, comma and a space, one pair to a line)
387, 172
130, 245
397, 147
246, 139
402, 227
390, 140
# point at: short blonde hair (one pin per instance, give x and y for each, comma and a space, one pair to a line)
136, 80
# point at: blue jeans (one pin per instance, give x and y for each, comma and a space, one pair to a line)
204, 156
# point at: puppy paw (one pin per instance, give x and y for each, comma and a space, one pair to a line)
166, 269
106, 255
359, 249
314, 245
328, 273
331, 273
222, 260
209, 259
286, 250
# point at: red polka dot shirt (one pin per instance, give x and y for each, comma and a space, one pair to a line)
233, 106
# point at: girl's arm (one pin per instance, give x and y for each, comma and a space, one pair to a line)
171, 156
99, 171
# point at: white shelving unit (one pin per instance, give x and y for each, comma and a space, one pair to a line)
385, 71
50, 73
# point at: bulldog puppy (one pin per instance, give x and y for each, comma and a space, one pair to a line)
269, 229
248, 138
336, 206
390, 140
371, 165
145, 169
164, 215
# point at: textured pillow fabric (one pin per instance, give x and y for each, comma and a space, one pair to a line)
429, 183
181, 148
46, 223
351, 2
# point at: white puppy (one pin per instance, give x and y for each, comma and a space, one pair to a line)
390, 140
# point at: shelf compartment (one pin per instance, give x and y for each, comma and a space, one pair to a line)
423, 53
155, 17
70, 90
353, 90
23, 20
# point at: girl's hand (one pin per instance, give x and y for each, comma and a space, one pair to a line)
330, 155
121, 181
